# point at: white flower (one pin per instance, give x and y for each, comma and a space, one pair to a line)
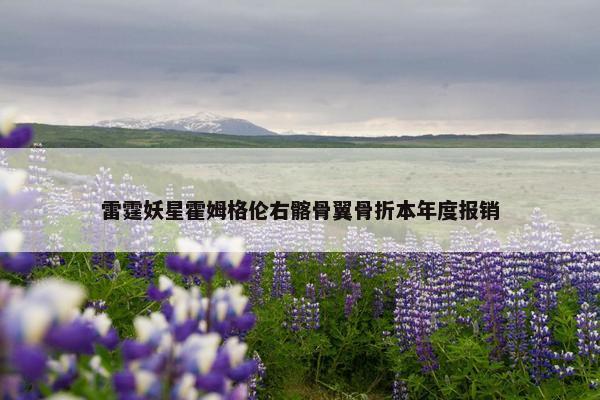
11, 241
186, 388
203, 348
7, 120
12, 182
180, 311
35, 320
101, 322
62, 297
96, 366
211, 252
144, 381
233, 248
212, 396
164, 283
45, 303
221, 308
230, 244
149, 328
239, 304
63, 396
62, 364
236, 350
189, 248
230, 297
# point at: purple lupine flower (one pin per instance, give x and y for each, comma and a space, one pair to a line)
231, 311
187, 349
516, 270
227, 308
256, 288
141, 265
310, 292
424, 324
352, 298
303, 315
97, 305
326, 286
377, 303
443, 287
368, 264
62, 372
541, 234
403, 318
546, 282
138, 384
415, 319
465, 272
12, 135
256, 381
162, 291
315, 316
516, 325
103, 259
282, 281
349, 304
44, 320
34, 217
399, 389
28, 361
561, 366
131, 231
346, 279
390, 255
227, 254
192, 280
493, 303
101, 234
584, 240
55, 260
585, 276
233, 259
540, 353
426, 355
12, 184
11, 259
588, 335
356, 289
12, 188
293, 316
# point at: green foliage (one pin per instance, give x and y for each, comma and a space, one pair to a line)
347, 358
94, 137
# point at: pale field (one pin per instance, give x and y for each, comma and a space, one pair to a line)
565, 184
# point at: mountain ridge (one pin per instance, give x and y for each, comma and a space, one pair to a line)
201, 122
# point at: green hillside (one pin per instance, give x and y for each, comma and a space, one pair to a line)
80, 136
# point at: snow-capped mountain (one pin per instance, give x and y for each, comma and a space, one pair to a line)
295, 133
200, 122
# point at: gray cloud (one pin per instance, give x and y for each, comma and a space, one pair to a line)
345, 66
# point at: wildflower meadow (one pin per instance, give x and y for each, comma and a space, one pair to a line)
211, 321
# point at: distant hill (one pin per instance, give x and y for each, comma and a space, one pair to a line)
200, 122
88, 136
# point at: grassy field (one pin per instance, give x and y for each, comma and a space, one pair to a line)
354, 355
80, 136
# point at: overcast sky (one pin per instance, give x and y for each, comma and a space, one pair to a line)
343, 67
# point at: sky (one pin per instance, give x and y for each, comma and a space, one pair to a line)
330, 67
